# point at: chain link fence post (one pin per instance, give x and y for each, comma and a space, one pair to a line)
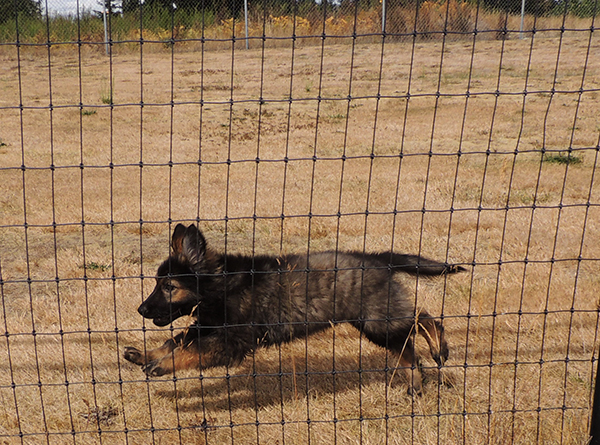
522, 19
246, 22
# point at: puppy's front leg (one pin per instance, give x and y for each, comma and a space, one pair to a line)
204, 352
138, 357
179, 358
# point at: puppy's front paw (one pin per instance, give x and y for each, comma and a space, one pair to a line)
414, 390
153, 369
440, 358
134, 355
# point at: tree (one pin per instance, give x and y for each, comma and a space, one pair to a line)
11, 9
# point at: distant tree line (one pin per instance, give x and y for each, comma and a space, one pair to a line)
11, 9
233, 7
288, 7
534, 7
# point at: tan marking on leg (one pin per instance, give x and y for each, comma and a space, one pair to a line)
433, 333
138, 357
207, 353
409, 362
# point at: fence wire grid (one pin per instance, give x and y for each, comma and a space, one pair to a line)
459, 131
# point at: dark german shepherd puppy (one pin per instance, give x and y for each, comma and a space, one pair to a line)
241, 302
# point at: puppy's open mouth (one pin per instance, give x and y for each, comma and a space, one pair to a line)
166, 319
161, 321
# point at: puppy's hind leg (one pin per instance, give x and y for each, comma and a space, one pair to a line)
401, 343
411, 366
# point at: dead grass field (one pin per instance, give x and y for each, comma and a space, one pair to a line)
315, 135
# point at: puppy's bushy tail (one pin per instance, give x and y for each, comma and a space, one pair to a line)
417, 265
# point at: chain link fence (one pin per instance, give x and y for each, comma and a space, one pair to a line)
30, 21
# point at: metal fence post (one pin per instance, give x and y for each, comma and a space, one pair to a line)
522, 19
246, 22
105, 28
383, 12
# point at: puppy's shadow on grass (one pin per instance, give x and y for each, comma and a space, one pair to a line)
263, 382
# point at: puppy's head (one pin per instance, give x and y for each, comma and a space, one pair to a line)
178, 279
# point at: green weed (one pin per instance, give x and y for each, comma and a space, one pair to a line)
92, 265
562, 158
107, 91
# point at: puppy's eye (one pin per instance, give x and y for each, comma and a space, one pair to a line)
168, 288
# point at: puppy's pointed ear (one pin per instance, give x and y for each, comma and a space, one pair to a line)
193, 247
177, 239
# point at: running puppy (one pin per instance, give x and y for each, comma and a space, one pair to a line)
241, 302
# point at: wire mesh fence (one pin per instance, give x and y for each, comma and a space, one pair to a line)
346, 134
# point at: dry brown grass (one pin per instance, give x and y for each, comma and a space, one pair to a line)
78, 286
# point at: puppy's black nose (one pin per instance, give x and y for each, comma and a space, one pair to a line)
143, 310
